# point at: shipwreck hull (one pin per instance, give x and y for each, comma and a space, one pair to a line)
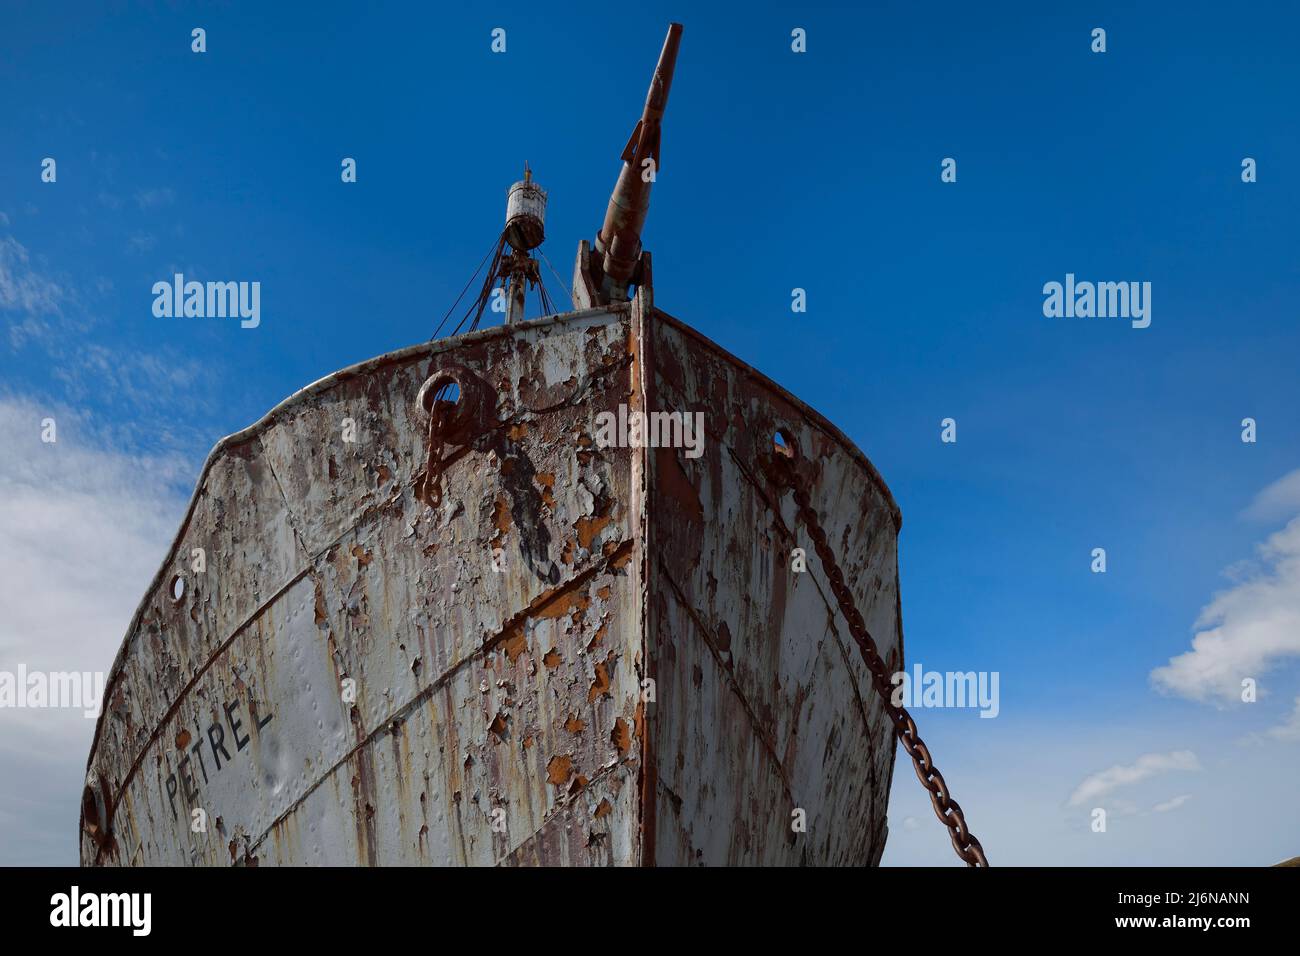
582, 655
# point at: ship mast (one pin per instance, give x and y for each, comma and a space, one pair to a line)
618, 261
525, 231
606, 270
512, 273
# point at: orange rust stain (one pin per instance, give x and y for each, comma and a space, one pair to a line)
559, 769
566, 556
621, 561
547, 481
384, 474
498, 725
322, 613
552, 659
588, 528
604, 593
579, 782
567, 598
599, 686
363, 556
515, 642
599, 636
638, 720
566, 603
528, 741
574, 724
501, 515
673, 483
183, 739
603, 809
621, 736
517, 431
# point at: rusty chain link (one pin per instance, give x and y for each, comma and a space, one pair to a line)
946, 808
451, 421
430, 492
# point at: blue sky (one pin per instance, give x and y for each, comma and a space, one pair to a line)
818, 170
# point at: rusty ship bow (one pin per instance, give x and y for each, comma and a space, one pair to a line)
427, 612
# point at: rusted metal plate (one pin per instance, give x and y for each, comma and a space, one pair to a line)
764, 705
493, 642
359, 678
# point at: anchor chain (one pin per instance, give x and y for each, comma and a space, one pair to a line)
946, 808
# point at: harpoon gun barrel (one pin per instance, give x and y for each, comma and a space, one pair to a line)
620, 237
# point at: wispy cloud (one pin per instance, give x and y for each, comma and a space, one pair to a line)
85, 527
1173, 804
141, 242
141, 386
1289, 730
1100, 785
1245, 631
139, 391
86, 519
24, 290
149, 198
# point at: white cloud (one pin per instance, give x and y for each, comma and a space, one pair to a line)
1173, 804
85, 528
1279, 500
1100, 785
1244, 631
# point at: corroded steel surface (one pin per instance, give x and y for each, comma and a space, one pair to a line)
496, 644
764, 705
476, 690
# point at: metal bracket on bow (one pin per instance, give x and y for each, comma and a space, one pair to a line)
452, 421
